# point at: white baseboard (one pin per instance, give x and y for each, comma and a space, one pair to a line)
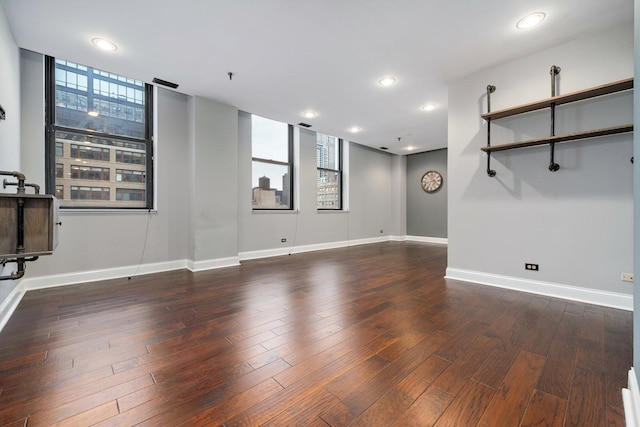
10, 303
631, 400
43, 282
212, 263
287, 250
438, 240
574, 293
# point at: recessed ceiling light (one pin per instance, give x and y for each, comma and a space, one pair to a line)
429, 107
387, 81
92, 113
355, 129
410, 148
309, 114
104, 44
530, 20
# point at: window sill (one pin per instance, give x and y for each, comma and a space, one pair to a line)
74, 212
275, 211
332, 211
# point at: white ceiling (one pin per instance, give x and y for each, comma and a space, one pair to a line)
288, 56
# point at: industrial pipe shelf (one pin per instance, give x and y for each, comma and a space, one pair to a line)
552, 103
593, 92
560, 138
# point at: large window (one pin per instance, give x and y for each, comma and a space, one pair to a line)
99, 131
329, 172
272, 165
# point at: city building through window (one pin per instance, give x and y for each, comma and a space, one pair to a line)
272, 165
329, 172
99, 139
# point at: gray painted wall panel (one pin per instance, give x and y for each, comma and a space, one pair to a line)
101, 240
426, 212
215, 168
577, 223
370, 184
636, 193
9, 128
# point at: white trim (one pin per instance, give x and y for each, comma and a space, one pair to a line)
631, 400
574, 293
213, 263
266, 253
10, 303
438, 240
43, 282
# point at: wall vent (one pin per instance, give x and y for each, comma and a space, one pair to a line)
165, 83
304, 125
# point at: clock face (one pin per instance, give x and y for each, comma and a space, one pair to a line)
431, 181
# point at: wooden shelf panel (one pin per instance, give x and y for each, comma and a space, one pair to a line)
560, 138
606, 89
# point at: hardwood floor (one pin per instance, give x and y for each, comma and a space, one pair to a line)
364, 336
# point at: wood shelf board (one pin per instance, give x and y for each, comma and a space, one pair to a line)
606, 89
560, 138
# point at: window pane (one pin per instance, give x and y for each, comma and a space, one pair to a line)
93, 167
102, 108
329, 175
327, 152
328, 191
269, 139
271, 186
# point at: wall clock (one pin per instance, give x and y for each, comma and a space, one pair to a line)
431, 181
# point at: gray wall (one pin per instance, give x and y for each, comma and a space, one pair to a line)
213, 184
94, 241
636, 193
203, 214
426, 213
577, 223
9, 128
371, 182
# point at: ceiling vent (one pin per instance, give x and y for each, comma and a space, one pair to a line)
384, 148
165, 83
304, 125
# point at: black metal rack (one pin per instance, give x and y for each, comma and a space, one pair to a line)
551, 103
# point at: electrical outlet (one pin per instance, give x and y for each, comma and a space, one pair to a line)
626, 277
531, 267
283, 240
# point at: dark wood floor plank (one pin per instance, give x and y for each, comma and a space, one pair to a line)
77, 407
456, 345
351, 340
511, 400
544, 410
467, 408
342, 385
385, 411
90, 417
426, 410
304, 411
457, 375
494, 369
558, 370
618, 350
272, 406
541, 336
586, 405
414, 384
376, 386
569, 329
231, 407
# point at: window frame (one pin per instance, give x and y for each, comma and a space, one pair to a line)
339, 171
50, 142
288, 164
